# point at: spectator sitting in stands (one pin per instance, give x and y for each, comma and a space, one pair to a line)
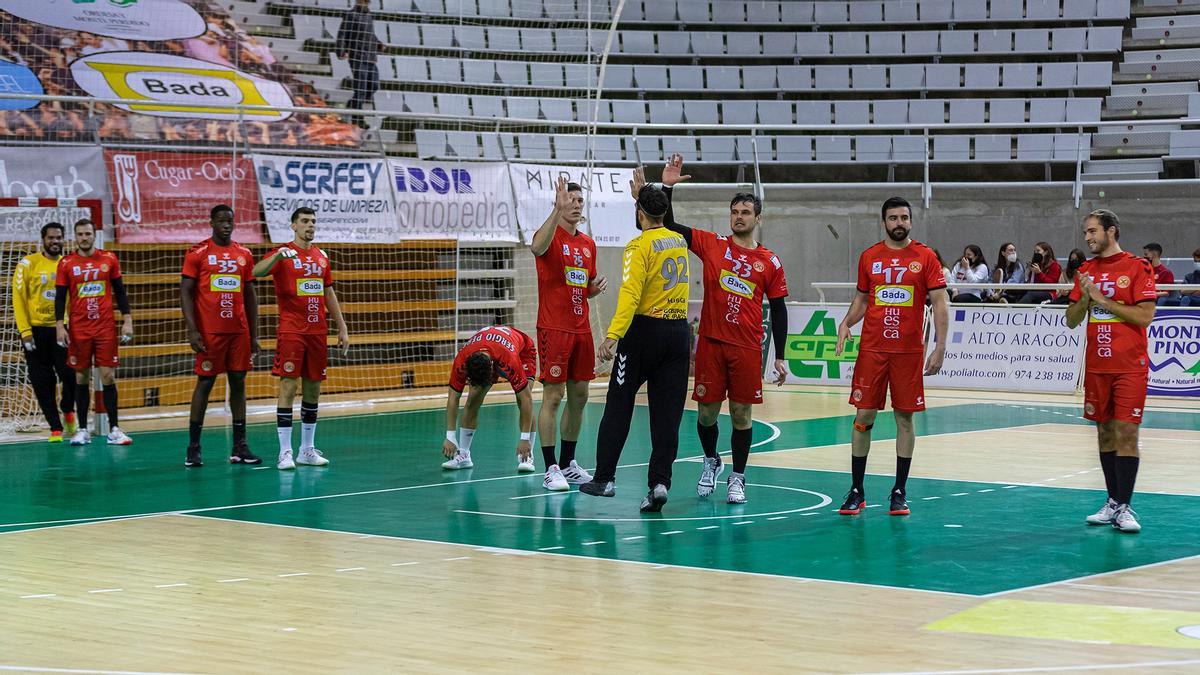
1009, 270
1043, 269
1153, 252
970, 269
945, 274
1074, 260
1192, 298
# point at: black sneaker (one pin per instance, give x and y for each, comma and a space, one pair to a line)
193, 457
242, 455
854, 503
655, 498
899, 505
597, 489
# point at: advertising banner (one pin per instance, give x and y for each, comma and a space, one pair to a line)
167, 197
1174, 346
810, 350
69, 172
352, 196
466, 200
23, 223
608, 206
128, 19
1012, 349
18, 79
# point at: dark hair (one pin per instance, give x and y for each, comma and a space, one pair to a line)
1048, 253
574, 187
653, 202
1153, 246
1108, 221
1072, 265
53, 226
894, 203
937, 254
973, 248
85, 221
212, 215
747, 197
302, 211
1196, 253
479, 369
1002, 264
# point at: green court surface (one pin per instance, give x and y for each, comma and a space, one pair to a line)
385, 479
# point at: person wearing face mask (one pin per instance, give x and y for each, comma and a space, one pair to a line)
1009, 270
1043, 269
1192, 298
1153, 252
1074, 261
970, 269
33, 289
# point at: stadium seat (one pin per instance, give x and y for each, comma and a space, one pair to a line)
1070, 147
869, 77
1068, 40
546, 75
908, 149
873, 149
437, 35
700, 112
900, 11
618, 77
558, 109
833, 149
935, 11
740, 44
479, 72
966, 111
911, 76
1019, 76
890, 111
885, 44
797, 13
501, 146
1006, 111
969, 10
723, 78
534, 146
666, 112
1035, 147
607, 148
686, 78
718, 148
993, 148
779, 44
1047, 110
570, 147
513, 73
691, 11
537, 40
765, 78
739, 112
780, 112
1031, 41
708, 43
1058, 75
651, 77
941, 76
947, 148
849, 44
440, 70
465, 37
464, 144
458, 105
629, 112
852, 112
831, 11
813, 44
793, 149
927, 111
956, 43
430, 143
485, 106
504, 39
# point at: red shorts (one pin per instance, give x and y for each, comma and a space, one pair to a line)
1120, 396
566, 356
877, 372
223, 352
82, 349
301, 355
723, 368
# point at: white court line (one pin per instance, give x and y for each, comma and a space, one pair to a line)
708, 527
671, 532
39, 595
233, 581
36, 669
170, 585
593, 543
461, 557
359, 569
1045, 669
1097, 575
544, 494
107, 590
1133, 590
293, 574
405, 564
552, 548
633, 538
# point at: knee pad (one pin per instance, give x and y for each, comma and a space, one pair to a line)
863, 428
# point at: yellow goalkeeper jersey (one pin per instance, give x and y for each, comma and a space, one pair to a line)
654, 280
33, 292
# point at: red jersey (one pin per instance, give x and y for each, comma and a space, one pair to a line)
565, 271
897, 282
1114, 345
300, 284
1162, 275
513, 357
735, 281
89, 289
222, 274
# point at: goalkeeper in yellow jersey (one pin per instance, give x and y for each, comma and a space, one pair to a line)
651, 338
33, 307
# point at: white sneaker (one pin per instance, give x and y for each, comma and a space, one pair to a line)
285, 461
555, 482
311, 457
708, 476
735, 488
118, 437
525, 465
1125, 520
1105, 515
575, 474
81, 437
460, 461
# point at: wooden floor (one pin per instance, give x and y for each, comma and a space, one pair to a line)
382, 563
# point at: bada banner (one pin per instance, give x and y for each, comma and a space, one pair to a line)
465, 200
166, 197
351, 196
1174, 346
608, 206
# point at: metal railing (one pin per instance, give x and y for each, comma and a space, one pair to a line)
822, 286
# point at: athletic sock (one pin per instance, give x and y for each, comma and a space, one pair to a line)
858, 469
902, 466
739, 442
1127, 469
308, 424
194, 433
1108, 463
239, 432
283, 426
548, 456
708, 438
568, 453
83, 400
110, 403
465, 436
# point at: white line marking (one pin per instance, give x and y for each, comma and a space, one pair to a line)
171, 585
660, 567
874, 506
948, 525
960, 494
262, 468
744, 522
404, 564
1045, 669
774, 434
593, 543
811, 514
1133, 590
36, 669
708, 527
670, 532
634, 538
1097, 575
545, 494
929, 499
293, 574
354, 569
232, 581
461, 557
551, 548
107, 590
39, 595
289, 629
985, 490
777, 518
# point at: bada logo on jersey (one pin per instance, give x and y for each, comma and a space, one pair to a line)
894, 296
736, 285
91, 289
310, 287
1101, 315
576, 277
225, 283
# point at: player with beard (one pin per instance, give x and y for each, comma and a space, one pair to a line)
895, 277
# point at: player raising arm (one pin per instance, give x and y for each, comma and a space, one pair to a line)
492, 353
